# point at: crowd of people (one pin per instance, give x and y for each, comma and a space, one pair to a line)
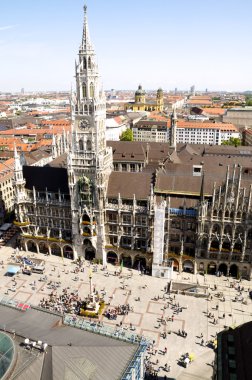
112, 313
67, 302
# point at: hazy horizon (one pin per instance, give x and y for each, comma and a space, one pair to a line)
157, 44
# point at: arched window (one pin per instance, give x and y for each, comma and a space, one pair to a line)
86, 218
215, 245
91, 90
89, 145
86, 109
84, 63
206, 229
216, 229
81, 146
228, 230
89, 62
239, 231
84, 90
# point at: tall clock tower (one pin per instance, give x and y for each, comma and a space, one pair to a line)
90, 160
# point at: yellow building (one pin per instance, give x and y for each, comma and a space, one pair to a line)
141, 104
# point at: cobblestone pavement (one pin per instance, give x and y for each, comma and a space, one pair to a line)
146, 312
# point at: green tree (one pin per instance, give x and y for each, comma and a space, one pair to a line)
234, 141
249, 102
127, 135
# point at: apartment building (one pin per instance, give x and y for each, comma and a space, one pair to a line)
159, 130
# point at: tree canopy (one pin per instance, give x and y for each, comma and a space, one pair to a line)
127, 135
249, 102
234, 141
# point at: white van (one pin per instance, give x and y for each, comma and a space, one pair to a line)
38, 269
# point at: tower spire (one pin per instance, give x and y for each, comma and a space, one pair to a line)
86, 43
15, 151
17, 165
202, 188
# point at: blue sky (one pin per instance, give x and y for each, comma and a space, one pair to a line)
167, 43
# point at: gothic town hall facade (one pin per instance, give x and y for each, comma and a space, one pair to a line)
151, 205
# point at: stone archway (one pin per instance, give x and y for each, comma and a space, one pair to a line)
112, 257
87, 243
31, 246
175, 264
68, 252
43, 248
88, 250
127, 261
85, 219
139, 263
211, 268
90, 253
55, 250
233, 270
223, 269
188, 266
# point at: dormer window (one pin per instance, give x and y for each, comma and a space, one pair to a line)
197, 170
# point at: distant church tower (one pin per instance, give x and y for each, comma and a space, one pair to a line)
140, 95
160, 99
90, 160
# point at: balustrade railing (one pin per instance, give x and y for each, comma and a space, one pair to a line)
123, 207
112, 206
119, 333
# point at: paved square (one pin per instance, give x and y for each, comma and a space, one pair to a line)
134, 318
22, 296
145, 315
155, 308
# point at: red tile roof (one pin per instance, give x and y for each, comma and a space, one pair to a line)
214, 111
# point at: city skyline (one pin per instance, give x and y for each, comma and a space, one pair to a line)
161, 44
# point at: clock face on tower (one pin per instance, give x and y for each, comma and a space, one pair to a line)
83, 124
